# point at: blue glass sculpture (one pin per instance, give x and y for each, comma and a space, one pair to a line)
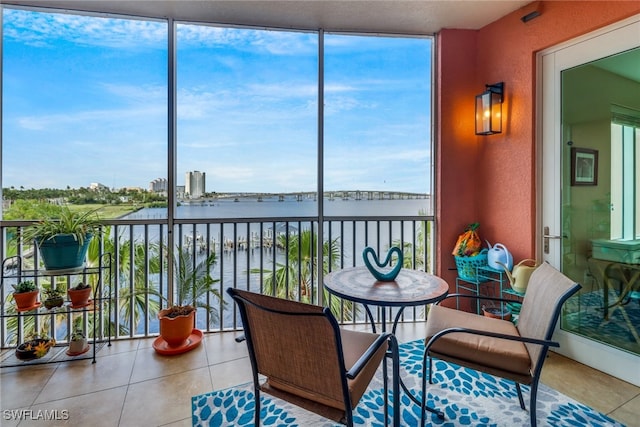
383, 275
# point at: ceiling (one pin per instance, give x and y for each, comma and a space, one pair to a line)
378, 16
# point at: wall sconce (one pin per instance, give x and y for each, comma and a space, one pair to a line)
489, 110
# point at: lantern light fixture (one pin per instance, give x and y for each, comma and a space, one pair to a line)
489, 110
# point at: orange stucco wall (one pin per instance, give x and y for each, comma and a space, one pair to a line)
491, 179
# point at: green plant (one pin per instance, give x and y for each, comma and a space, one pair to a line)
192, 282
52, 292
80, 224
80, 286
24, 286
77, 335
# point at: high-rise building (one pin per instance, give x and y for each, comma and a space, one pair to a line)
195, 184
158, 185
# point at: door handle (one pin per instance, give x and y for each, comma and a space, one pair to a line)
546, 236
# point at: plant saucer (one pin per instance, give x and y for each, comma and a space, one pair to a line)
78, 353
161, 346
82, 305
33, 307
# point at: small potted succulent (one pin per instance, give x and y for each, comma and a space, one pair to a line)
79, 295
54, 297
34, 348
25, 294
78, 343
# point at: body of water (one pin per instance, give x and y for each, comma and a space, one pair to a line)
289, 207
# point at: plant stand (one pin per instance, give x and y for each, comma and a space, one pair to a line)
94, 317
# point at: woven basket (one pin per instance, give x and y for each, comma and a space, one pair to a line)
467, 265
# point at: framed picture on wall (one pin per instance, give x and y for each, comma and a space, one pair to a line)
584, 166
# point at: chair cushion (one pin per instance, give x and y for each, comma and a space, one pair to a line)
496, 353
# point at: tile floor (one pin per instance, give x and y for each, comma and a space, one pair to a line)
130, 385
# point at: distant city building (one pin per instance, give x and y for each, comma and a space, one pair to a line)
158, 185
97, 186
180, 191
194, 184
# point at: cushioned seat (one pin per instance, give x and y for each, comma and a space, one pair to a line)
495, 353
496, 346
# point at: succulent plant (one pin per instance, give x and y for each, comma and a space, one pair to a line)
24, 286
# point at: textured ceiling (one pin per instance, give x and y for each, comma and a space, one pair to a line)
382, 16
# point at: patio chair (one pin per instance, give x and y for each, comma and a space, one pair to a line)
498, 347
307, 359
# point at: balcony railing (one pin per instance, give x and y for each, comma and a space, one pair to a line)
274, 256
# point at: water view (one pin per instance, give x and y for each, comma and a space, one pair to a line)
247, 253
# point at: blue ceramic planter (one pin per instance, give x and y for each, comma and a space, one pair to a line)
63, 252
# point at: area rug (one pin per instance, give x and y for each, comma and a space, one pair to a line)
467, 398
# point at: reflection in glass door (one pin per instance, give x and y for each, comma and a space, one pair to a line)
601, 199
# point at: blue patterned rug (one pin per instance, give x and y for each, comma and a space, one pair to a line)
468, 398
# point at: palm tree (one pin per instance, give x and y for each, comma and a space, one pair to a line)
422, 235
132, 299
193, 282
297, 279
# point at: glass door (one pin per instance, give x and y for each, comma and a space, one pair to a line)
590, 198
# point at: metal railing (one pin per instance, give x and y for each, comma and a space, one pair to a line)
274, 256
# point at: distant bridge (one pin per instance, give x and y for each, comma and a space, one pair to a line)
330, 195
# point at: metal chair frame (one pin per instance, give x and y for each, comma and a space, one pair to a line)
545, 343
344, 373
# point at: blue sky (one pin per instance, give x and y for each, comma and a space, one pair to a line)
85, 100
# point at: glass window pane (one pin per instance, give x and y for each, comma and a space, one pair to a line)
247, 121
84, 106
378, 124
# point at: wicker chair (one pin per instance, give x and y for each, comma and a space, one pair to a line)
307, 359
498, 347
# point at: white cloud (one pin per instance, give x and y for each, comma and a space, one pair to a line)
45, 29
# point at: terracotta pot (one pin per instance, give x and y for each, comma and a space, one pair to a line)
497, 313
176, 330
79, 297
25, 300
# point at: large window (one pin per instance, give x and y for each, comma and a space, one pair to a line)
84, 106
377, 142
86, 110
247, 120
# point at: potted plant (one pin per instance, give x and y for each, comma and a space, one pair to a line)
78, 343
79, 295
191, 284
34, 348
25, 294
53, 298
63, 238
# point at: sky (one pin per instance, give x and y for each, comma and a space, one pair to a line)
85, 100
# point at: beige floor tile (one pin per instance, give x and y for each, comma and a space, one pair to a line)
187, 422
584, 384
232, 373
116, 347
81, 377
629, 413
164, 400
20, 386
149, 364
100, 409
224, 348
